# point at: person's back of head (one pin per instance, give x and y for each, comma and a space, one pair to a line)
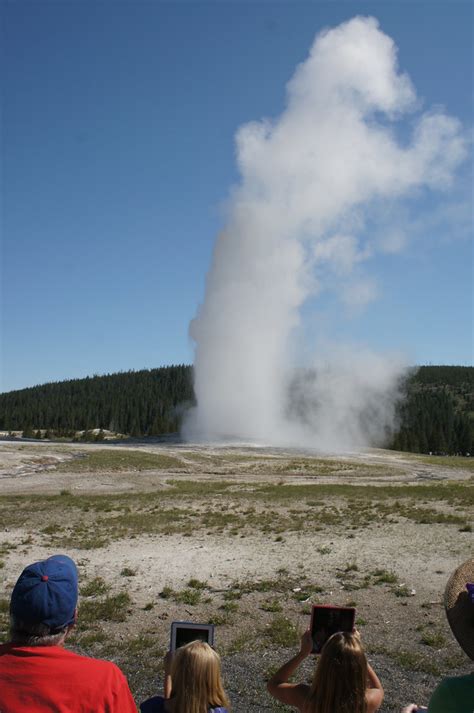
339, 683
43, 604
196, 676
456, 692
459, 605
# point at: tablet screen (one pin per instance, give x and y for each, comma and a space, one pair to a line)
327, 620
182, 632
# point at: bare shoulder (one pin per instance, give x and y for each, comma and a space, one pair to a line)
373, 698
292, 694
302, 692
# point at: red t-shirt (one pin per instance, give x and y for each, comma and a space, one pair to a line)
43, 679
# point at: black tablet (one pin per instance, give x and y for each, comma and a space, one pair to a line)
326, 620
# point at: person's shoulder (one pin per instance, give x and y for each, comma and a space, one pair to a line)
156, 704
450, 683
453, 694
97, 665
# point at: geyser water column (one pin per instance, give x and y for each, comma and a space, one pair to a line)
256, 290
304, 178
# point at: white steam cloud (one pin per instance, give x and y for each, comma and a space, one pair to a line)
294, 228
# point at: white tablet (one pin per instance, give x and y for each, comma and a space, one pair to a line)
182, 632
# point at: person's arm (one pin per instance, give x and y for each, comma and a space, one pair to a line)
293, 694
168, 683
374, 691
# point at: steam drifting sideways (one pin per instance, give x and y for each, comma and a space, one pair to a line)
295, 224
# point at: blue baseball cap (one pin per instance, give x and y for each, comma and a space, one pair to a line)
46, 593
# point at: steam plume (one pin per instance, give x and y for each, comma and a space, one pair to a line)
294, 227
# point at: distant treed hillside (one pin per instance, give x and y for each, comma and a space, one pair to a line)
437, 414
136, 403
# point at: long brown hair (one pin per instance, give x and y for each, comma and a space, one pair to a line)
196, 679
341, 676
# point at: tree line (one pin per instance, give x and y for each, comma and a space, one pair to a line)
149, 402
436, 413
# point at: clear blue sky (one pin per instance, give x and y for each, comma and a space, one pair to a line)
118, 151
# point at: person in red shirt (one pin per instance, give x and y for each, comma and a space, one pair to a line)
36, 672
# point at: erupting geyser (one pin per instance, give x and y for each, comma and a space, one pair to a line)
295, 223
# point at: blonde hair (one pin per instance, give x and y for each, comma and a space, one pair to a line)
196, 679
340, 679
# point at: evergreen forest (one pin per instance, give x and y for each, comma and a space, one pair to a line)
133, 403
436, 414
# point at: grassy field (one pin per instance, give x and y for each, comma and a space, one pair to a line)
446, 461
220, 506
